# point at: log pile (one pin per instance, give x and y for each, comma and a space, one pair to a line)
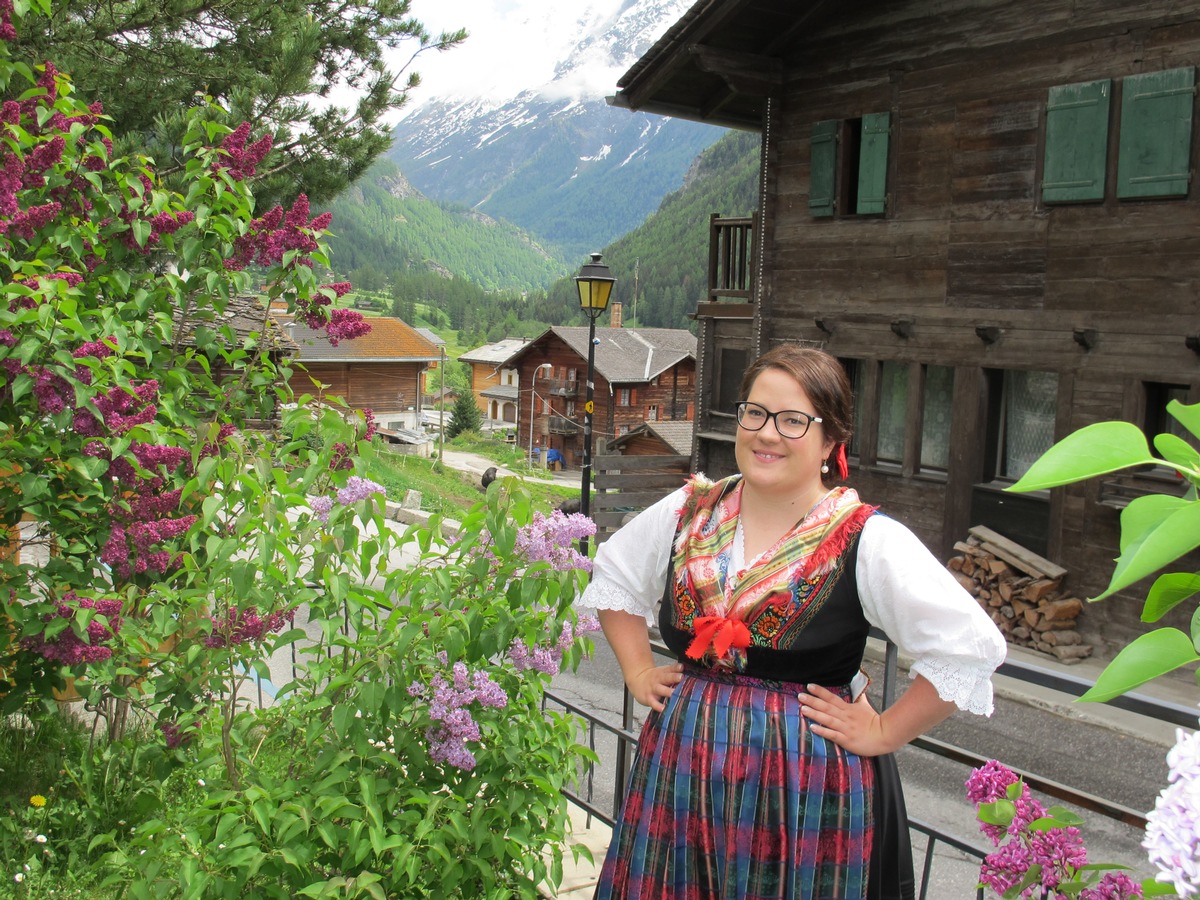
1022, 592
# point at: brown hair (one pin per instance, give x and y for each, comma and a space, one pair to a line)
822, 378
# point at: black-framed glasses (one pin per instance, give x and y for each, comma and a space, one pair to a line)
790, 423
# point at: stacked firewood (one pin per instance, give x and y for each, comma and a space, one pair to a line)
1022, 592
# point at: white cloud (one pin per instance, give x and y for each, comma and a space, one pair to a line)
514, 44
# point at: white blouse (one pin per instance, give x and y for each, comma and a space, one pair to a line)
904, 591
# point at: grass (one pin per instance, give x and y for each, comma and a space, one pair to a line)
448, 491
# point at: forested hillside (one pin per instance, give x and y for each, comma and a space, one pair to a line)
670, 249
385, 230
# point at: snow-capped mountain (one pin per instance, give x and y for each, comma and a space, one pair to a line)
556, 159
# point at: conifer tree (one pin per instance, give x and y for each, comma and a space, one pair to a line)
465, 416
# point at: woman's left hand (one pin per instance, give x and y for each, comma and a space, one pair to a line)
858, 728
854, 726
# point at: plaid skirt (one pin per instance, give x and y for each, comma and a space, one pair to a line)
731, 796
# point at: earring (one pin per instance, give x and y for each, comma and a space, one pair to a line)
825, 468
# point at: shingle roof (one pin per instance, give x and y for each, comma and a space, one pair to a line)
625, 355
245, 315
676, 435
500, 392
430, 335
389, 340
496, 354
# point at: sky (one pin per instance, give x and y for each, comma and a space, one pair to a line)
513, 46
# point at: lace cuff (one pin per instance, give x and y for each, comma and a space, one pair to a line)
968, 686
603, 593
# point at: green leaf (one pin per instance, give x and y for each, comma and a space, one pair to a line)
1153, 888
1090, 451
1177, 534
1145, 658
1186, 415
1175, 449
1167, 592
1000, 812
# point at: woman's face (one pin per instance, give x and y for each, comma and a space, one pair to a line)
769, 462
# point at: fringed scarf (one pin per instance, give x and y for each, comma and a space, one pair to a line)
726, 600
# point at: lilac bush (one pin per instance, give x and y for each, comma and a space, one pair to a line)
1173, 826
1040, 852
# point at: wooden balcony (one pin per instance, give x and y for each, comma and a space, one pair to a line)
561, 425
731, 267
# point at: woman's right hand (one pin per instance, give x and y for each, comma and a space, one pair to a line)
653, 685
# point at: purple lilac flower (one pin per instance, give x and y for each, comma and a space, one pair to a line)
549, 539
453, 724
358, 489
69, 648
1113, 886
243, 626
321, 507
1173, 826
549, 659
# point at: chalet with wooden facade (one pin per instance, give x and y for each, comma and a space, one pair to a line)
380, 371
494, 379
641, 375
987, 211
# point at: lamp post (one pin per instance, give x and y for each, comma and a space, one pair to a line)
533, 405
595, 286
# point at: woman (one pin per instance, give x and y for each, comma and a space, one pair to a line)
762, 769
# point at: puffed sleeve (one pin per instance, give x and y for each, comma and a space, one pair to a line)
915, 600
629, 571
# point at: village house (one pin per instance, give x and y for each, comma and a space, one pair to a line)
380, 371
494, 380
641, 375
987, 211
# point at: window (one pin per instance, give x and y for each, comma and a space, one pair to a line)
624, 396
893, 407
1155, 146
570, 409
848, 166
854, 371
1076, 157
652, 413
571, 375
622, 430
935, 418
1025, 422
1158, 420
545, 406
731, 366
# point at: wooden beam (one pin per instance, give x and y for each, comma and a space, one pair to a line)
745, 73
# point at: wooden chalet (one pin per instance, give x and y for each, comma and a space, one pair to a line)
987, 211
641, 375
380, 371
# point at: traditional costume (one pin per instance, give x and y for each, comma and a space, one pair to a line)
731, 795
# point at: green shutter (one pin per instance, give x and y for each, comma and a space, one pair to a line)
1156, 134
1076, 142
872, 164
823, 168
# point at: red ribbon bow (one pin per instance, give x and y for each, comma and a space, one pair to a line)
720, 633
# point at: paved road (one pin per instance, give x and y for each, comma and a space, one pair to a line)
1055, 743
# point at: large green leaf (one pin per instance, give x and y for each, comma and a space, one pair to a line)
1094, 450
1176, 535
1175, 449
1146, 657
1144, 514
1168, 592
1187, 415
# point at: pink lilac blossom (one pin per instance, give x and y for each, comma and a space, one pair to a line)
548, 659
243, 626
358, 488
1173, 826
549, 539
69, 648
1113, 886
242, 160
7, 32
454, 725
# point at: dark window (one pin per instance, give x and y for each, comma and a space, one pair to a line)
732, 365
1158, 420
1076, 157
848, 166
1021, 414
854, 371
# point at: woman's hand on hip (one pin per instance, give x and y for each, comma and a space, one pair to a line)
653, 685
854, 726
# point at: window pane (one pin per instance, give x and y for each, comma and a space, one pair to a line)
935, 418
1030, 399
733, 364
893, 403
854, 371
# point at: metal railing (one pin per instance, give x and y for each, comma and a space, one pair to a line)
627, 738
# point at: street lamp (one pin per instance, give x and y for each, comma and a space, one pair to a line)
533, 405
595, 286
